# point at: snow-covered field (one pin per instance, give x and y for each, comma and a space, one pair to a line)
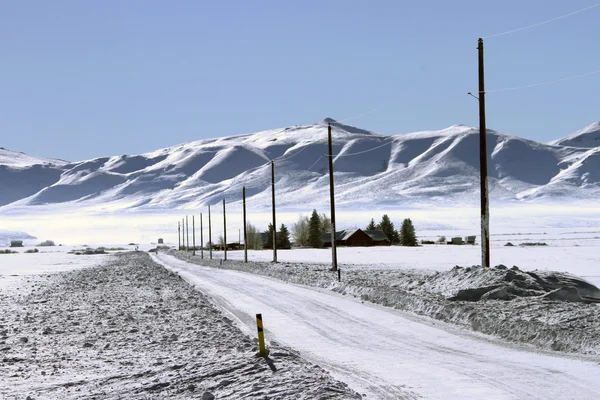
583, 260
381, 275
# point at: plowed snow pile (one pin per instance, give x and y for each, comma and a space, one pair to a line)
130, 329
553, 311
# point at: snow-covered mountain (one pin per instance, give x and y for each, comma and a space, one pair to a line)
430, 166
22, 175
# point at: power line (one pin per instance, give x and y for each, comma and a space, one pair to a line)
543, 22
379, 107
390, 140
543, 83
293, 155
318, 159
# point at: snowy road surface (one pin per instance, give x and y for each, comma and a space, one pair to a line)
384, 353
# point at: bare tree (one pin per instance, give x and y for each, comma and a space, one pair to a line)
300, 231
253, 237
325, 223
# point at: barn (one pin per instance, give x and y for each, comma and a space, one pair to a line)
356, 237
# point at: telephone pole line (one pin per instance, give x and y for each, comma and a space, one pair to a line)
187, 233
224, 232
245, 232
485, 207
210, 244
273, 201
193, 235
334, 265
201, 238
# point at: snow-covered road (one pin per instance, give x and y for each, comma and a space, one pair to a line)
384, 353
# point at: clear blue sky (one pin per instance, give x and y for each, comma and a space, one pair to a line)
82, 79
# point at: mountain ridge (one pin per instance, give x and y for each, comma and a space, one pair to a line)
370, 168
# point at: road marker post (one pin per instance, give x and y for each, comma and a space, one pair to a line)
262, 350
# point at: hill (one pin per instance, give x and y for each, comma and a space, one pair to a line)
431, 166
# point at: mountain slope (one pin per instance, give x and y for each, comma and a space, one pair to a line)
431, 166
22, 175
587, 137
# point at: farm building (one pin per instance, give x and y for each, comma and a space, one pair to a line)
16, 243
230, 246
357, 237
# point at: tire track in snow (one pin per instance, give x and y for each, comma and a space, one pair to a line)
378, 350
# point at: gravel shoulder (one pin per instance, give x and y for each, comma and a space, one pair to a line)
531, 321
131, 329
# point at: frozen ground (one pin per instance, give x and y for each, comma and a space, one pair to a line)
130, 329
384, 352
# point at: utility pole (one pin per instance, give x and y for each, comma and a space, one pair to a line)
224, 232
178, 235
187, 233
209, 234
201, 239
193, 235
245, 232
485, 207
273, 203
334, 265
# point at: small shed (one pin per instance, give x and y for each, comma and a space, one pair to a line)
470, 240
456, 240
16, 243
161, 241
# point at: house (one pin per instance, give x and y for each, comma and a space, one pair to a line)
356, 237
379, 238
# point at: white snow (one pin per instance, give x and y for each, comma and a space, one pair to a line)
439, 167
15, 159
49, 260
386, 353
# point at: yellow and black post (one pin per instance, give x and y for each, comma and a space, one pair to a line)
262, 350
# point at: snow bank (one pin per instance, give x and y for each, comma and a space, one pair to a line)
130, 329
550, 325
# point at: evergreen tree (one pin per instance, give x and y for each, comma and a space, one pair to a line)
269, 241
371, 226
314, 231
387, 226
408, 237
283, 238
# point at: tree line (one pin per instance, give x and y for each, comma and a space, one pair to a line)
308, 232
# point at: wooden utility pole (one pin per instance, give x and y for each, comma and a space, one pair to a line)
224, 232
273, 201
187, 233
334, 265
485, 208
178, 235
201, 238
209, 234
245, 232
193, 235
